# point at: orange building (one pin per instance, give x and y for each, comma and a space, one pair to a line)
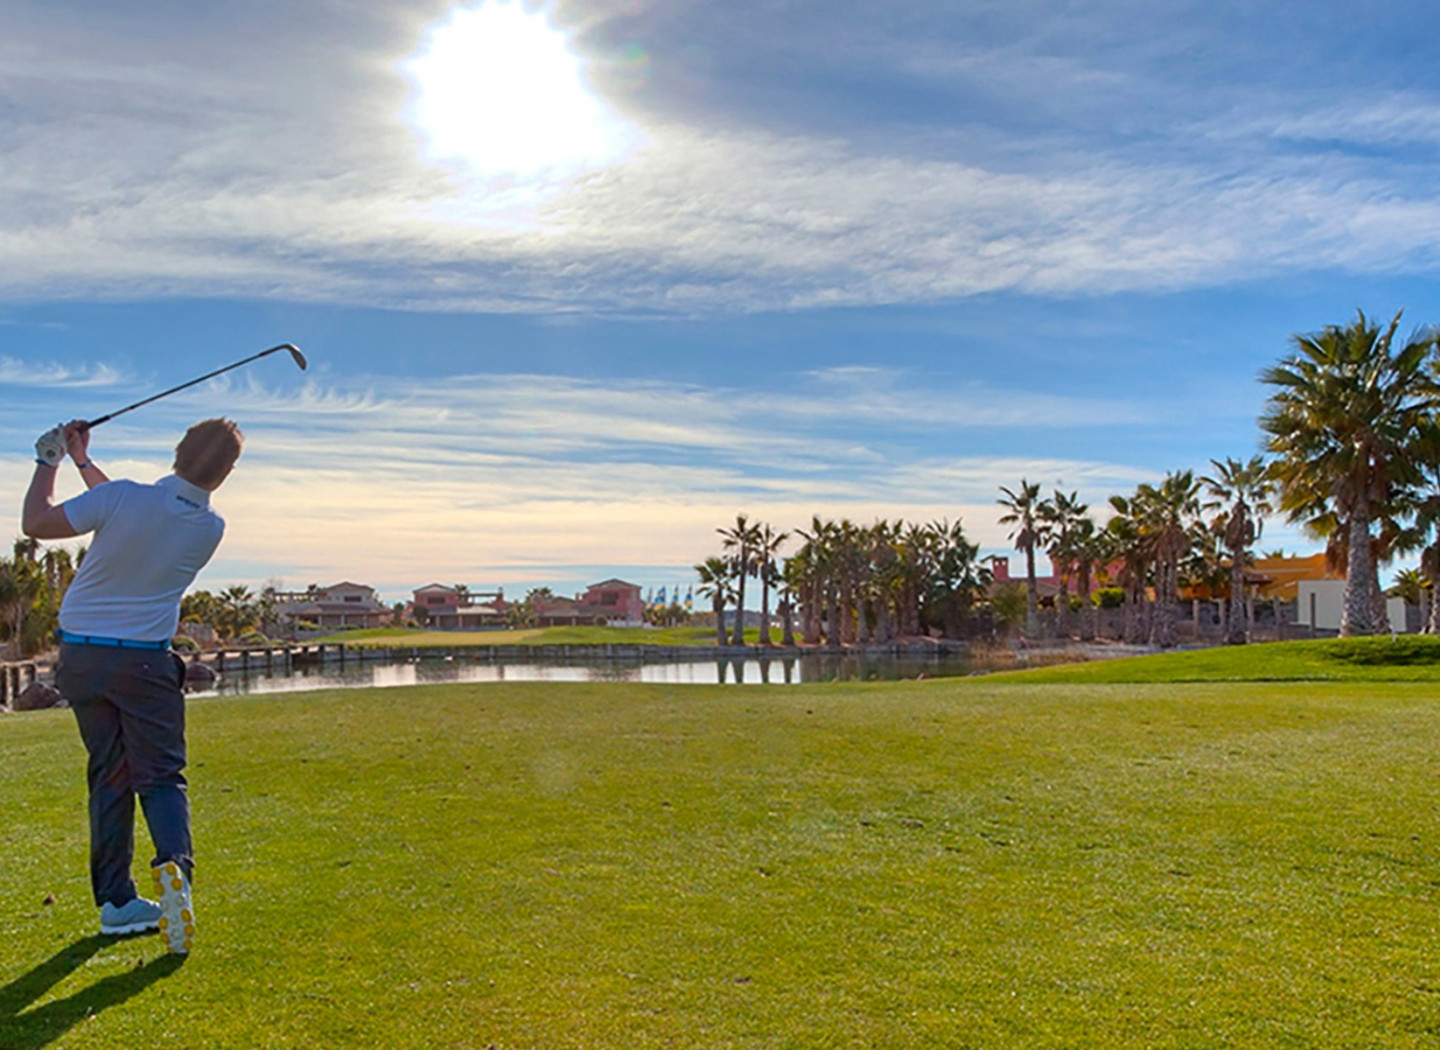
1281, 577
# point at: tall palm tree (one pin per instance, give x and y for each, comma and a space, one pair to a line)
1127, 543
1345, 408
715, 584
1086, 549
1022, 508
1060, 516
740, 540
1240, 497
767, 550
959, 578
1169, 513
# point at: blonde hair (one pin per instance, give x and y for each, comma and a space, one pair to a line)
208, 451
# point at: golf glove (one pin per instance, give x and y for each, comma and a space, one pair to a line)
50, 446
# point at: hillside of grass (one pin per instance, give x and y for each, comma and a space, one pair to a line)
932, 864
1398, 659
666, 636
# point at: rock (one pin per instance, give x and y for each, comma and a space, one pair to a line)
199, 676
37, 696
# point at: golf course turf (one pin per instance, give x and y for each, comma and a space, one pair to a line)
986, 862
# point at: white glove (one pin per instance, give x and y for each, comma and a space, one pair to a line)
50, 446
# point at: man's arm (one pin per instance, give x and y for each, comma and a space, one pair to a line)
42, 519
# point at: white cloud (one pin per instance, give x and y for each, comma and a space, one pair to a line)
16, 372
403, 481
163, 178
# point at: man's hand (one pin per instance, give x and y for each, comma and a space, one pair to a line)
50, 446
77, 441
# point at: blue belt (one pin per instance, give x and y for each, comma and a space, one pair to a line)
109, 643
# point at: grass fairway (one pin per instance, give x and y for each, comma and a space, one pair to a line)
944, 864
1406, 658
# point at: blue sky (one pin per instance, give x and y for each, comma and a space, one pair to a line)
836, 258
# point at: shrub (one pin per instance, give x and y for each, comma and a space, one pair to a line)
1109, 597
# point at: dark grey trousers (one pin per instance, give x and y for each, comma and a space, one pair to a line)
130, 705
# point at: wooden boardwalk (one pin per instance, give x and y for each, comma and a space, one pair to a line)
14, 677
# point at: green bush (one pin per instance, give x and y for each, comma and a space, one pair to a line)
1109, 597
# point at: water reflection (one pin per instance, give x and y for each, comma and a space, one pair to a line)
788, 670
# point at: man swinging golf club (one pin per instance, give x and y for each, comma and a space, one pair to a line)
116, 668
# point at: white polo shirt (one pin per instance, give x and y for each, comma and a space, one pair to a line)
150, 542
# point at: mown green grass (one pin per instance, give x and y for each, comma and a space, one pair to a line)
1400, 659
667, 636
938, 864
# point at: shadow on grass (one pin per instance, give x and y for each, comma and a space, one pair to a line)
25, 1030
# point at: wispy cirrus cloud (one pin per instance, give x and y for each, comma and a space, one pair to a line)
405, 481
19, 373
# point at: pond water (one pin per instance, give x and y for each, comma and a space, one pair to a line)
750, 671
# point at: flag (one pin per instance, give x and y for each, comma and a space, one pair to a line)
690, 600
650, 598
660, 599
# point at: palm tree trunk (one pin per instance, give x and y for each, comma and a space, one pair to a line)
739, 635
1062, 607
1032, 619
764, 606
720, 621
1379, 611
1235, 634
1358, 617
882, 620
832, 618
1164, 631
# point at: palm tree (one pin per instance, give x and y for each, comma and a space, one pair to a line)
959, 579
715, 584
1345, 409
1086, 549
237, 610
1241, 495
1022, 508
741, 541
1410, 585
1127, 543
1060, 517
767, 550
1168, 513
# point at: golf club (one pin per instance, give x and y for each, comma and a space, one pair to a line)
294, 353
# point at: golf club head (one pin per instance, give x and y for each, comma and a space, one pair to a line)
294, 353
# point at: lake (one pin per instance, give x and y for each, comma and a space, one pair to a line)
789, 670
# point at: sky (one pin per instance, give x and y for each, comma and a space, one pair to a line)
580, 282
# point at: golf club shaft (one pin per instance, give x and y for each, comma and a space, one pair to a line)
209, 375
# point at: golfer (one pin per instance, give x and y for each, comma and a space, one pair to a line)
116, 668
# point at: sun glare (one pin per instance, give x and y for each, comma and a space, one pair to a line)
498, 87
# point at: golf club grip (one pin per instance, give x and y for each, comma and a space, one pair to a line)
95, 422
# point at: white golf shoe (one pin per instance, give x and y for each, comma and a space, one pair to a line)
177, 913
136, 916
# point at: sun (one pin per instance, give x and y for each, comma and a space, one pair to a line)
499, 88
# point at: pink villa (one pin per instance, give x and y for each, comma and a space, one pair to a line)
458, 608
1049, 586
618, 603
